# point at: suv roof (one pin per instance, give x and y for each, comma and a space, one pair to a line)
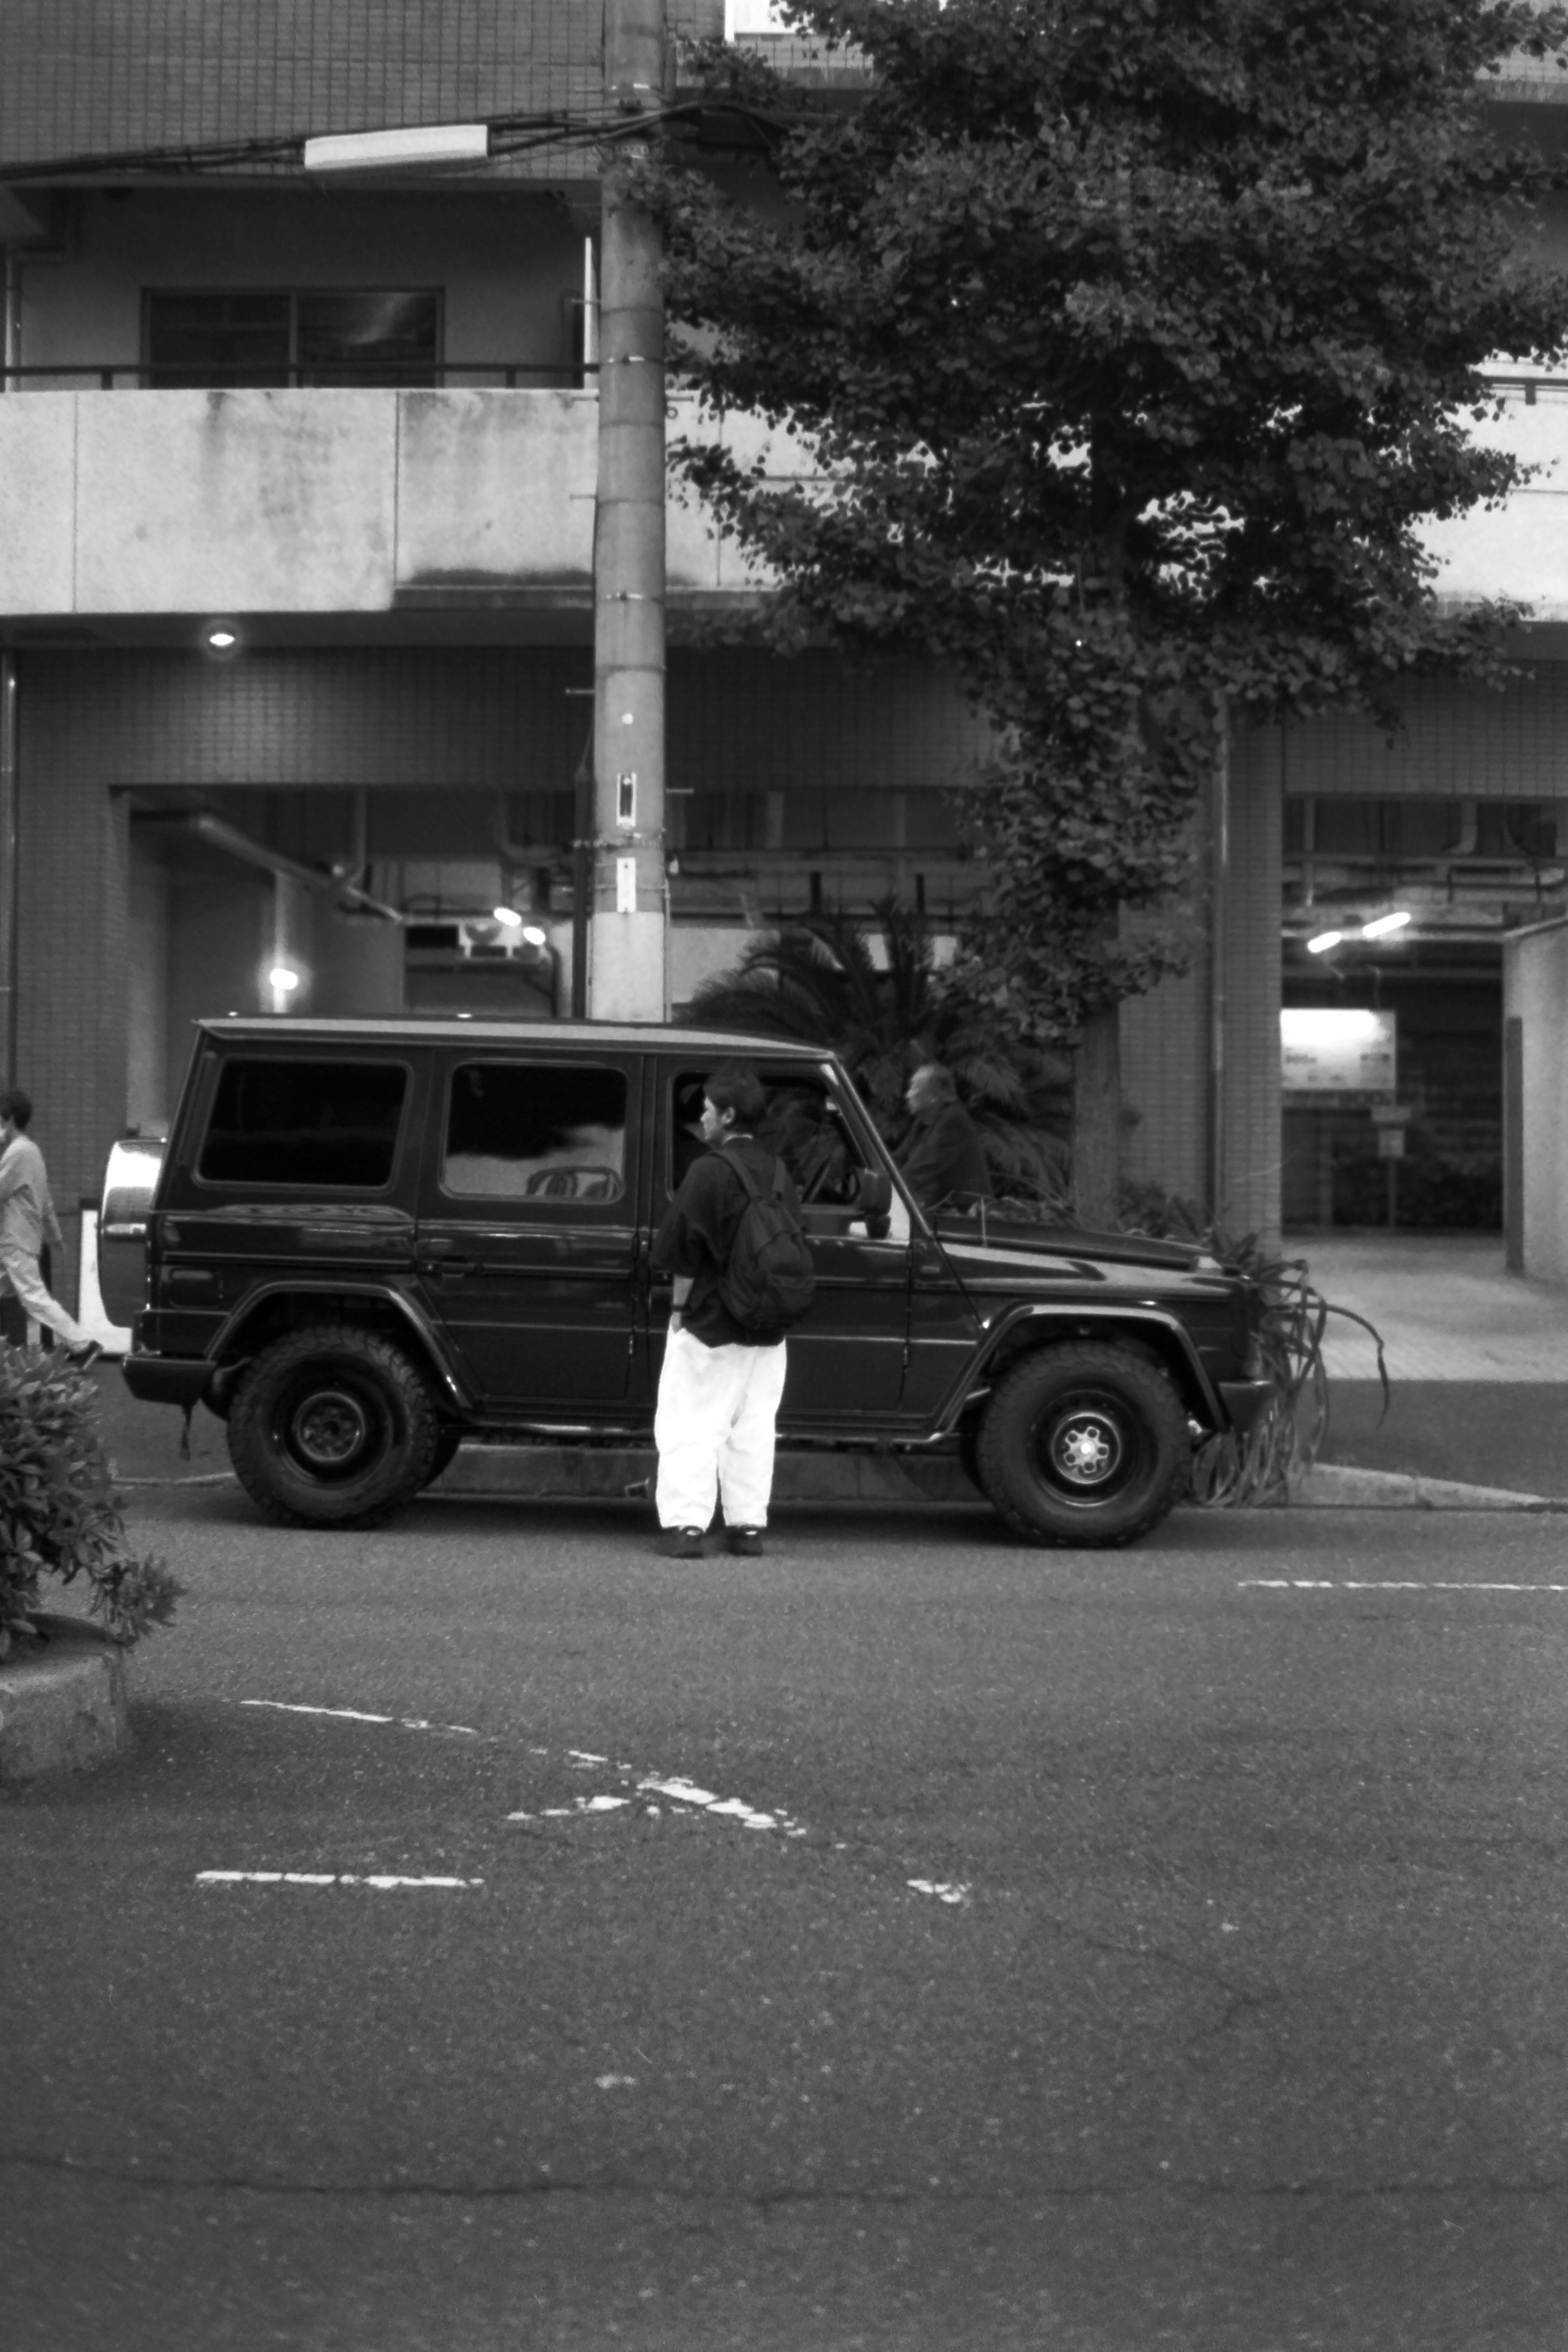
445, 1025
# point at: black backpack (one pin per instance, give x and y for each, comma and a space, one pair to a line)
768, 1284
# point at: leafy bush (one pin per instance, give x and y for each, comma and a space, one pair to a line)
1454, 1191
1286, 1438
58, 1514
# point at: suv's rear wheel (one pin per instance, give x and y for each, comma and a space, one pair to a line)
1083, 1445
331, 1427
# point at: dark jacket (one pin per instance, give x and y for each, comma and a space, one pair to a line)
697, 1233
942, 1154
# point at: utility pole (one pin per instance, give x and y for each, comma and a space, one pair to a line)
627, 976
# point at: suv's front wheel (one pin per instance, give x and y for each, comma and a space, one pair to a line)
331, 1427
1083, 1445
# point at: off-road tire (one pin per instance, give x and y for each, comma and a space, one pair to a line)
1085, 1444
332, 1427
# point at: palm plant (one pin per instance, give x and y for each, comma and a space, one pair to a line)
819, 980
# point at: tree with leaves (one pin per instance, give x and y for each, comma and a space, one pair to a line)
1132, 341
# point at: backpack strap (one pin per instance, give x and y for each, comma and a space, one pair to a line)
753, 1186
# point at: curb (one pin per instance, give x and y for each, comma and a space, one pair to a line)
63, 1708
588, 1472
1339, 1486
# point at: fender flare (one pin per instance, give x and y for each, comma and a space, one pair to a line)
1073, 1320
418, 1325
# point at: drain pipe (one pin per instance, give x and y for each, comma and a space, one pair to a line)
1219, 919
8, 893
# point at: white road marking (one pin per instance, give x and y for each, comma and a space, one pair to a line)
686, 1793
1385, 1584
678, 1792
356, 1715
615, 2082
381, 1879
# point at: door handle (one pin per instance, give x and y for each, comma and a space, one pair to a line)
444, 1260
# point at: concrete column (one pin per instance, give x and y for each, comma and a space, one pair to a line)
626, 974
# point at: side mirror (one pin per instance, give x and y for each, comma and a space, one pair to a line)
875, 1192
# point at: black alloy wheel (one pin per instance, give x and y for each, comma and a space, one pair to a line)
1085, 1444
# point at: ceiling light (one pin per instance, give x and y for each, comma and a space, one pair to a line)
219, 640
1323, 942
1381, 925
508, 917
534, 936
282, 979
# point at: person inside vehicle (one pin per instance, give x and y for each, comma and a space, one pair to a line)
942, 1159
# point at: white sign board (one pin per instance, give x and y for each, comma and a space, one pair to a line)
1337, 1050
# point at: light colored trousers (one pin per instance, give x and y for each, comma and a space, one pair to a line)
19, 1274
714, 1430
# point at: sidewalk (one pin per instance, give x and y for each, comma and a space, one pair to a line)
1477, 1358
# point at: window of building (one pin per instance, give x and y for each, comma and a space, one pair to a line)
319, 1126
323, 335
536, 1131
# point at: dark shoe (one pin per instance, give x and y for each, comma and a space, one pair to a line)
681, 1543
748, 1541
82, 1358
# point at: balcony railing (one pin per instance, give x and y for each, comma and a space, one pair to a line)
443, 375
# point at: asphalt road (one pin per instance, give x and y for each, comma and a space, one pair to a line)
1122, 1951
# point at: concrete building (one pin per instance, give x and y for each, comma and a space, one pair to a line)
296, 516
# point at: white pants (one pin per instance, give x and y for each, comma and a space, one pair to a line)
19, 1274
714, 1432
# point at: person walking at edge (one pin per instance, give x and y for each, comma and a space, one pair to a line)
718, 1392
943, 1153
27, 1221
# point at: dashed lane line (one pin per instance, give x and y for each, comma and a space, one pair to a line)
382, 1880
1384, 1584
356, 1715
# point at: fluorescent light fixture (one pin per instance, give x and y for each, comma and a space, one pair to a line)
1381, 925
283, 979
383, 150
1323, 942
507, 918
1327, 1024
219, 640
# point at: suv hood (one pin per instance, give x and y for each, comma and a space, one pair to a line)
978, 1241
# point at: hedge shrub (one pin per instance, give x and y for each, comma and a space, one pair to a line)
58, 1514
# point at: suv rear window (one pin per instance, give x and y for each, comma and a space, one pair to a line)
536, 1131
327, 1125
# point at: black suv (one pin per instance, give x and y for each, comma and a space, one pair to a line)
367, 1240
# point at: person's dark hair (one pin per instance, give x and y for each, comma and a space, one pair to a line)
736, 1086
941, 1085
16, 1105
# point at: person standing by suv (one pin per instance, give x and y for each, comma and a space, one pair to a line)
720, 1389
27, 1221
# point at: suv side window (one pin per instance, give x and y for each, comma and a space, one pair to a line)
535, 1132
802, 1124
320, 1125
